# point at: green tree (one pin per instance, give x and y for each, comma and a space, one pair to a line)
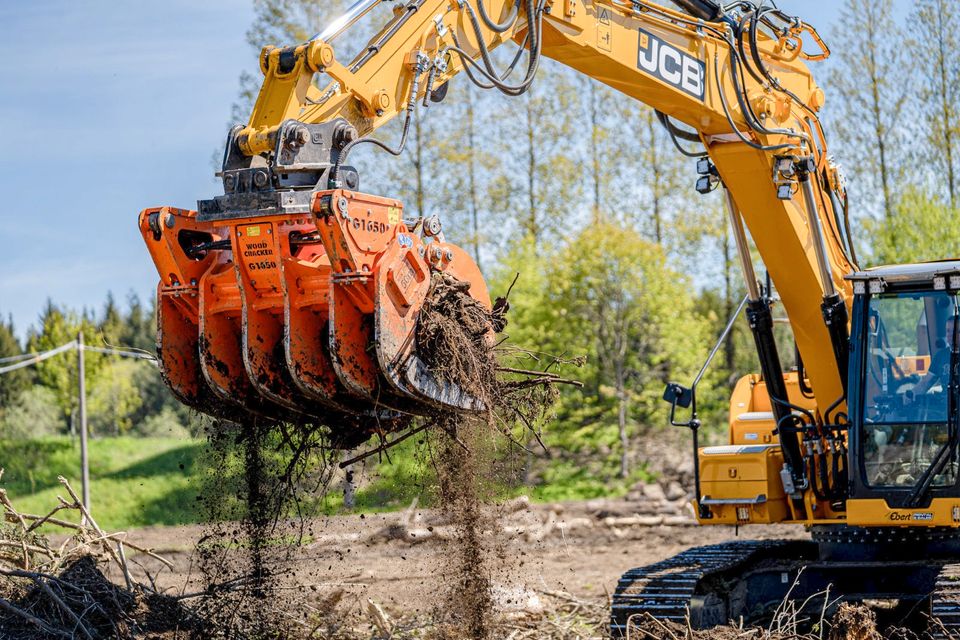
923, 227
870, 84
16, 382
59, 374
608, 294
114, 398
35, 413
936, 30
140, 330
112, 325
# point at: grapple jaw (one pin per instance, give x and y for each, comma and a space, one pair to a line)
307, 317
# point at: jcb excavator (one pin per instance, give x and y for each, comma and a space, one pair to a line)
294, 295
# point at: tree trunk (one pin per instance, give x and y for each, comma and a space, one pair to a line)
531, 226
595, 150
729, 346
473, 205
622, 424
948, 131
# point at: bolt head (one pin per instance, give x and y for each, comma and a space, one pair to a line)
260, 178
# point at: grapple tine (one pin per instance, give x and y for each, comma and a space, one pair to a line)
178, 304
306, 289
355, 229
402, 286
257, 261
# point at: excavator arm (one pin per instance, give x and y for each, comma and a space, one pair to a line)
304, 292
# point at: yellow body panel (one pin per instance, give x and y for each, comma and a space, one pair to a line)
751, 417
942, 512
741, 484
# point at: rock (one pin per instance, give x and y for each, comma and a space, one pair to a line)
675, 491
516, 599
654, 492
520, 503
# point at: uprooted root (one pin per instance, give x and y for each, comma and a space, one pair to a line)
456, 340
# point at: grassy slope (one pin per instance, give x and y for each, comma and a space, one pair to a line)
134, 481
155, 481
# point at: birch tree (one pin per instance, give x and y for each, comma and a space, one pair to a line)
870, 84
936, 30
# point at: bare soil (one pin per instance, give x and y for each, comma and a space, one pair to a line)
403, 562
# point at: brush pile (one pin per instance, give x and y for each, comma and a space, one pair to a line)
60, 591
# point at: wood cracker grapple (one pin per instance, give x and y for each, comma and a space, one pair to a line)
280, 301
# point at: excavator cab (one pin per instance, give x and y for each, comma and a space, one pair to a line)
903, 395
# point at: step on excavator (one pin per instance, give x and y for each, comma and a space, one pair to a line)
294, 295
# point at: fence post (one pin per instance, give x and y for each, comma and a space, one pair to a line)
82, 393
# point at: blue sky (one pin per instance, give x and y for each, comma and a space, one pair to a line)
111, 107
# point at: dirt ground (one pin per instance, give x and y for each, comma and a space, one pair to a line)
400, 560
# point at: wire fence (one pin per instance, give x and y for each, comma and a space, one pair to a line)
29, 359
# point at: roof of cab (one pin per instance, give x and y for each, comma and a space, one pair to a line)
916, 272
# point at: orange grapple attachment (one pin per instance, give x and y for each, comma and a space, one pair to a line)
171, 236
402, 286
262, 252
257, 259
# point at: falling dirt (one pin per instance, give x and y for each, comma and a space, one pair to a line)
456, 339
460, 466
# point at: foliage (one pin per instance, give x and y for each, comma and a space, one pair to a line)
923, 227
35, 413
57, 327
114, 398
14, 383
935, 26
607, 294
870, 85
165, 424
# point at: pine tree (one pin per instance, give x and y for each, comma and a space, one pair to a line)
16, 382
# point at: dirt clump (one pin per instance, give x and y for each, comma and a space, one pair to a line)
854, 622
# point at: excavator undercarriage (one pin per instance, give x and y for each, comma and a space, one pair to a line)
910, 579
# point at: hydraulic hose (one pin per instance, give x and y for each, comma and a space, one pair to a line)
499, 27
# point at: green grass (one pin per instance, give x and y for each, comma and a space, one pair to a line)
134, 481
139, 482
